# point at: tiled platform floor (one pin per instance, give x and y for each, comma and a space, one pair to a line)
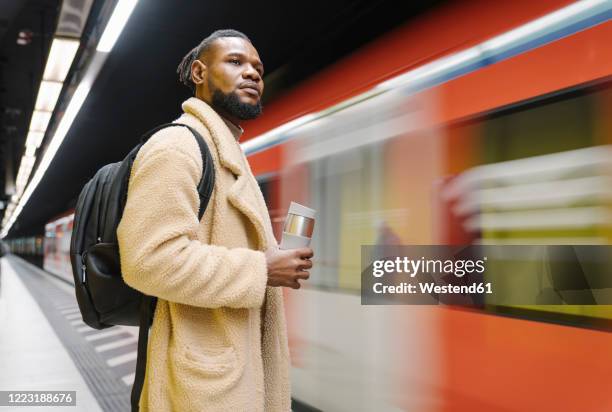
44, 344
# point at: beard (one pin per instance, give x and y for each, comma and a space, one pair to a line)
230, 103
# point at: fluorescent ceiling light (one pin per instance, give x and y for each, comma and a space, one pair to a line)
60, 59
22, 180
40, 121
27, 162
48, 93
69, 115
78, 98
30, 150
34, 138
22, 175
76, 101
115, 25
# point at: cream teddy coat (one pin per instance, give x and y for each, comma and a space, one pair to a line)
218, 340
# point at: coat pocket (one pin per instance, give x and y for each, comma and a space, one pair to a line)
211, 362
205, 376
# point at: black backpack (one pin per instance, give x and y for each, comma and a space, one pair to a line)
104, 299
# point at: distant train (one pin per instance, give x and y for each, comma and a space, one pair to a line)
478, 142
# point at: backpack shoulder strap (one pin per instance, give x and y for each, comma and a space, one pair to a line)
207, 182
147, 309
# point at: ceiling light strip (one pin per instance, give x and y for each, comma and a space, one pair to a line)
115, 25
56, 70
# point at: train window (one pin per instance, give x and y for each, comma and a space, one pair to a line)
345, 191
537, 173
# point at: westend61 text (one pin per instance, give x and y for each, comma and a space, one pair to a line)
413, 267
429, 288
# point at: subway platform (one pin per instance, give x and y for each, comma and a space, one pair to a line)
45, 346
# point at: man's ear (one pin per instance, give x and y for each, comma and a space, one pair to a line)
198, 71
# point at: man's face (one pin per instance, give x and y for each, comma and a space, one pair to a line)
234, 83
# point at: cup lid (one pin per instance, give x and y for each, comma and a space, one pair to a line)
297, 209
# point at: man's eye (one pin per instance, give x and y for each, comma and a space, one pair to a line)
235, 61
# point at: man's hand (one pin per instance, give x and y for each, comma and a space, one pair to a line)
286, 267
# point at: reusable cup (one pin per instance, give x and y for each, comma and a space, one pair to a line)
298, 228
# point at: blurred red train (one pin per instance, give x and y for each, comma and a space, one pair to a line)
457, 129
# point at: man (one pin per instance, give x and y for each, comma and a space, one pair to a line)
218, 340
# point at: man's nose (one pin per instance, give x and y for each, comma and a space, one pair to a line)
251, 73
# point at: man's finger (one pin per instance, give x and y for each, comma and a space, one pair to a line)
305, 264
305, 253
302, 275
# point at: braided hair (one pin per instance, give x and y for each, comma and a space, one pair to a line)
184, 68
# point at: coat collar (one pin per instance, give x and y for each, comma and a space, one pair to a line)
244, 193
230, 152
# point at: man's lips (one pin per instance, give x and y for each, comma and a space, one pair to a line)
251, 90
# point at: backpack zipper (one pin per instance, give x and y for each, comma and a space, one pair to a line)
84, 267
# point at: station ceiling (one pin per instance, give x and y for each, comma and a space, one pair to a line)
138, 87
